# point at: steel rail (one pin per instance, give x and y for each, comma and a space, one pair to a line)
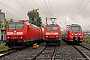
53, 56
87, 58
7, 52
85, 47
33, 58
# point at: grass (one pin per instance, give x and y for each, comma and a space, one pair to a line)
3, 47
87, 40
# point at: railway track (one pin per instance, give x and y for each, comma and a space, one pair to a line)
84, 51
47, 53
85, 47
7, 52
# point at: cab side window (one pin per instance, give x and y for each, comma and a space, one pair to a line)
28, 27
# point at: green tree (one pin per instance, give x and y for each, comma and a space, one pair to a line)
1, 25
7, 21
1, 11
34, 17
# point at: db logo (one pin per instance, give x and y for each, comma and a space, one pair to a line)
14, 33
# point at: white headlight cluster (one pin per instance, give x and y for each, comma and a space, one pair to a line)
19, 33
9, 33
47, 33
76, 34
56, 33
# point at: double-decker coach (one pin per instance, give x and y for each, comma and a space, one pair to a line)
73, 34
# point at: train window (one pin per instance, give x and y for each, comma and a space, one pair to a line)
52, 27
27, 26
48, 28
19, 26
55, 28
15, 26
11, 26
75, 28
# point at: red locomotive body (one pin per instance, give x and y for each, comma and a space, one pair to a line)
73, 33
52, 33
22, 33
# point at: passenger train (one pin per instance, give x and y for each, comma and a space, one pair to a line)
73, 34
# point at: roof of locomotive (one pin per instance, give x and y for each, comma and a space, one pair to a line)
16, 22
74, 25
22, 22
51, 25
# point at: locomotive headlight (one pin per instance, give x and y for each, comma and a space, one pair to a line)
56, 36
79, 34
21, 37
46, 36
7, 37
20, 33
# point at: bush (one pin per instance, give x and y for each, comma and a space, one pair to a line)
3, 47
87, 41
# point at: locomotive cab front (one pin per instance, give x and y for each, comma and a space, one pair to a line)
76, 34
52, 34
14, 33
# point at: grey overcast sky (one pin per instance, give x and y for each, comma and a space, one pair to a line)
66, 11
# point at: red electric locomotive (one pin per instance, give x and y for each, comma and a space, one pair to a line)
22, 33
52, 33
73, 34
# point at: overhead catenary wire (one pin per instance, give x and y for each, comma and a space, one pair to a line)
78, 7
21, 5
39, 7
12, 9
47, 7
43, 5
50, 7
82, 9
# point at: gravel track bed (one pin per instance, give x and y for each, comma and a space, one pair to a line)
67, 52
64, 52
47, 53
22, 55
85, 44
84, 50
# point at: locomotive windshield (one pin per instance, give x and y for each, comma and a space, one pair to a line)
11, 26
75, 28
15, 26
51, 27
19, 26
